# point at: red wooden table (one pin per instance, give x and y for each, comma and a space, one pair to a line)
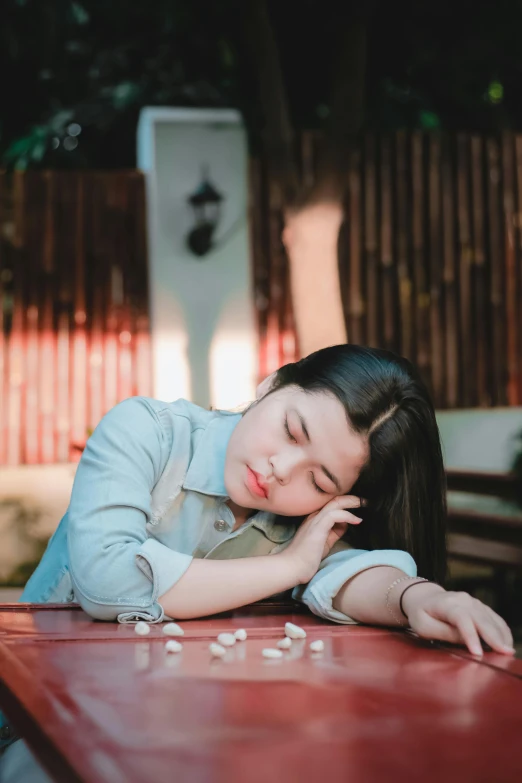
98, 703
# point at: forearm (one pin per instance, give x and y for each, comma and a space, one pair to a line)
211, 586
363, 597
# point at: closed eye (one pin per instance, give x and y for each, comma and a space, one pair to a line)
294, 440
287, 429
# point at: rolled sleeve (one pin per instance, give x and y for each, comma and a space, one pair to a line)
117, 570
337, 569
163, 566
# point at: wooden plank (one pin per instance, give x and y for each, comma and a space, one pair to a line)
34, 219
517, 218
403, 251
512, 288
4, 277
449, 279
16, 362
435, 226
387, 257
355, 294
496, 260
47, 380
78, 383
420, 260
480, 313
371, 244
468, 390
487, 551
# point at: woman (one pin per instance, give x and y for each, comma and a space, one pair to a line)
171, 503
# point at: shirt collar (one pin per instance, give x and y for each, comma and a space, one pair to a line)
206, 471
274, 529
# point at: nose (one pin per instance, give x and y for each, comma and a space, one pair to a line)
282, 468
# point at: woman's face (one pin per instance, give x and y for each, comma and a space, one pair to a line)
292, 452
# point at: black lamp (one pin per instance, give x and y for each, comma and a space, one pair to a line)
206, 204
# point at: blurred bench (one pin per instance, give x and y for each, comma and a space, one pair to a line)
485, 519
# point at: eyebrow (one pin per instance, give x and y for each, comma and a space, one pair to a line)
325, 470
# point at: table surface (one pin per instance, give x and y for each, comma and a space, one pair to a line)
98, 703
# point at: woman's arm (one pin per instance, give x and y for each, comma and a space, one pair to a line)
211, 586
431, 611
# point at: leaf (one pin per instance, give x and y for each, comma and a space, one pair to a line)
79, 14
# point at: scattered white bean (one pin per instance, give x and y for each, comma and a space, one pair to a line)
317, 646
284, 644
217, 650
240, 634
142, 628
269, 652
173, 629
173, 646
294, 631
226, 639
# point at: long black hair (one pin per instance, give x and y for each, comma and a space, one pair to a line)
403, 480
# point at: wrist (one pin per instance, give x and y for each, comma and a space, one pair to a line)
295, 568
416, 594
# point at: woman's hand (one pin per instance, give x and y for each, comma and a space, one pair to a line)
434, 613
318, 533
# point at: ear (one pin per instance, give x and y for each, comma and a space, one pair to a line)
264, 386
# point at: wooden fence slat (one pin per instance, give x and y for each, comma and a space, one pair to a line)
47, 411
387, 258
16, 363
517, 218
420, 271
495, 251
480, 314
512, 291
437, 358
371, 244
464, 270
4, 272
403, 263
355, 295
449, 281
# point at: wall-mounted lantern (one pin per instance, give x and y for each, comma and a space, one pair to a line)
206, 205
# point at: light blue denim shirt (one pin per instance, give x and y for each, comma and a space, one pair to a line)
149, 496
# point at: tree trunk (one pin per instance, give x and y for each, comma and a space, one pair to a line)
313, 216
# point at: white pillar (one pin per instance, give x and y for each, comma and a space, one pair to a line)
204, 342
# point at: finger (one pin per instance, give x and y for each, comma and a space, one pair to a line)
430, 628
346, 501
489, 630
338, 515
503, 627
462, 619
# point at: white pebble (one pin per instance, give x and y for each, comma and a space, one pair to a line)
173, 646
217, 650
141, 628
284, 644
173, 629
269, 652
317, 646
226, 639
294, 631
240, 634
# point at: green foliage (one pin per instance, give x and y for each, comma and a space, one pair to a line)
98, 62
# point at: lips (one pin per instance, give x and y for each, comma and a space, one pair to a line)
256, 484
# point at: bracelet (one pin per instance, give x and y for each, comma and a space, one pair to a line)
387, 600
418, 579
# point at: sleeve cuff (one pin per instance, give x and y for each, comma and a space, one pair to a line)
163, 566
337, 569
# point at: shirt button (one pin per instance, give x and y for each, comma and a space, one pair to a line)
220, 525
5, 733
